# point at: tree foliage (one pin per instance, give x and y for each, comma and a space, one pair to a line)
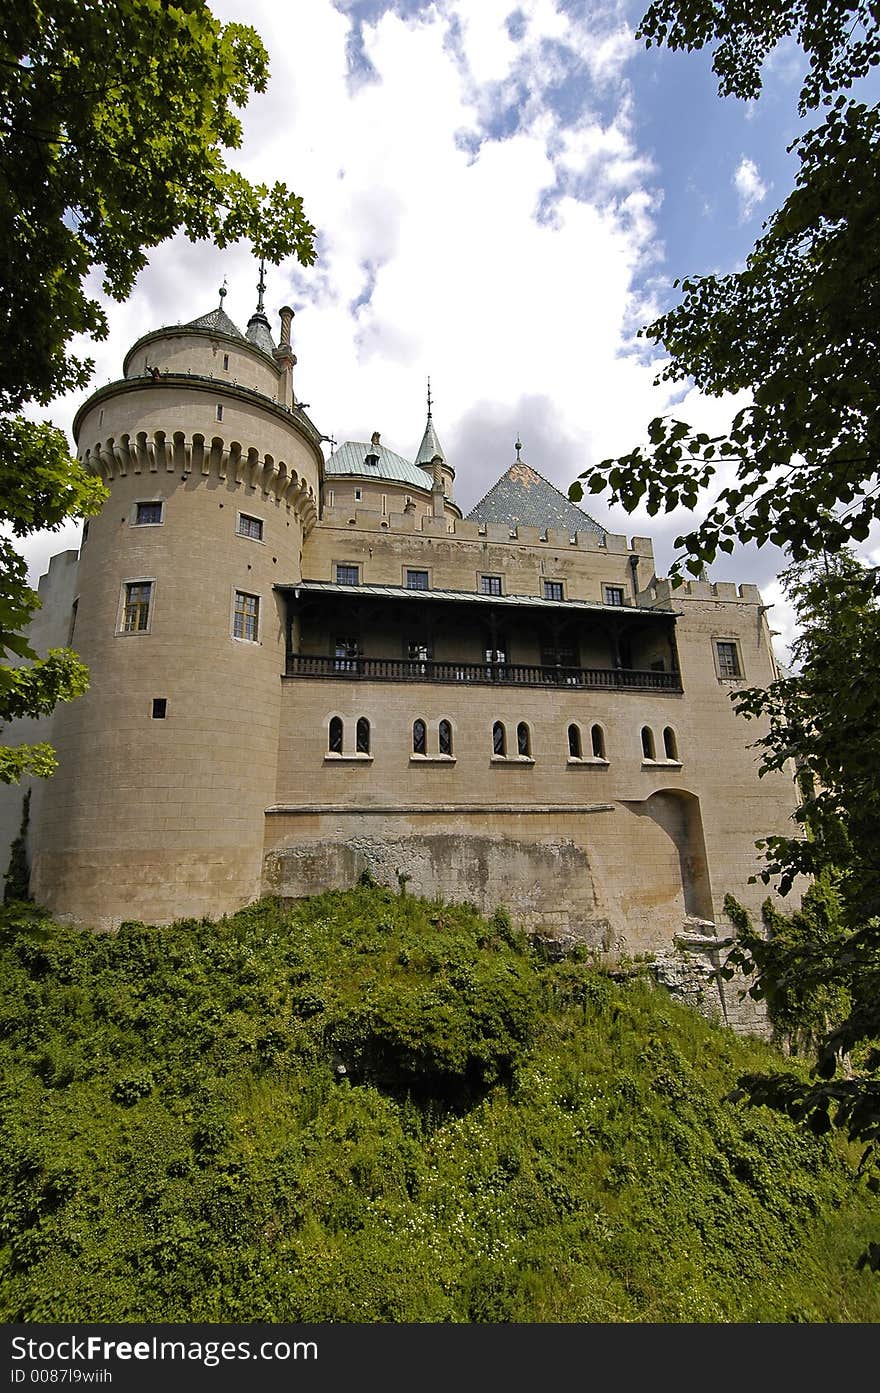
827, 719
114, 119
797, 327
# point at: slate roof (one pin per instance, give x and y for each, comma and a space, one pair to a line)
522, 496
218, 321
259, 334
350, 459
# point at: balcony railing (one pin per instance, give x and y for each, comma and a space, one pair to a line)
498, 674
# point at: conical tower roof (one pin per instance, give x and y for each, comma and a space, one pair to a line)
430, 446
218, 322
258, 332
524, 497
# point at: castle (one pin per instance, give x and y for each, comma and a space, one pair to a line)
305, 668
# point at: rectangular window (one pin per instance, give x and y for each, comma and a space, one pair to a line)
417, 651
346, 651
553, 590
490, 585
358, 495
219, 412
225, 362
347, 575
417, 580
246, 616
136, 613
614, 594
728, 658
147, 514
160, 708
250, 527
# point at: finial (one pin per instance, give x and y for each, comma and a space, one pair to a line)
261, 286
222, 292
518, 448
429, 398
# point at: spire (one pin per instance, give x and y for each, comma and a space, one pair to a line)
258, 332
430, 447
217, 320
518, 446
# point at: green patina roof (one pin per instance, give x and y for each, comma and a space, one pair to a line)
430, 445
350, 458
522, 496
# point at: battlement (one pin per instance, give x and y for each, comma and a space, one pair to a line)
463, 530
722, 591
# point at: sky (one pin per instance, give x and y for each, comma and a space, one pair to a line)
504, 193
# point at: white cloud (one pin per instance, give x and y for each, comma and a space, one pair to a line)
750, 188
512, 267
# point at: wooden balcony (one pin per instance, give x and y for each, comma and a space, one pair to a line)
484, 674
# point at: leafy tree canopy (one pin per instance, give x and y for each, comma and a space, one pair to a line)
798, 327
827, 718
113, 122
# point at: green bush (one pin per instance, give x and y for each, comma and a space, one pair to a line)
512, 1139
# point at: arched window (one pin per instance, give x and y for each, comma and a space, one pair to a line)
523, 739
444, 736
363, 736
597, 741
420, 738
499, 740
334, 742
670, 744
647, 742
574, 741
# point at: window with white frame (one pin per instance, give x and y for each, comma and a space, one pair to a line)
250, 527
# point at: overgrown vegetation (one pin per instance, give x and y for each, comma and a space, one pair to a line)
511, 1140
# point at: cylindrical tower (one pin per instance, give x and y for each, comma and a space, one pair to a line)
167, 764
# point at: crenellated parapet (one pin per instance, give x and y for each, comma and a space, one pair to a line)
160, 452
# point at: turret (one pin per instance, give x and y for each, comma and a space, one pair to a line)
167, 764
429, 453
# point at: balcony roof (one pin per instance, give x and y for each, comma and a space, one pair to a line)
402, 592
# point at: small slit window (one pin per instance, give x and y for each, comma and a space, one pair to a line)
334, 736
499, 740
420, 738
444, 737
670, 744
647, 742
71, 628
219, 412
597, 742
362, 736
574, 741
523, 740
225, 362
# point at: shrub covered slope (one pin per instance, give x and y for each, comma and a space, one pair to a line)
511, 1140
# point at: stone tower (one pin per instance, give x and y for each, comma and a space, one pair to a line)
168, 762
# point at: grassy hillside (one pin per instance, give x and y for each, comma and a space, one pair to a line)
509, 1141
